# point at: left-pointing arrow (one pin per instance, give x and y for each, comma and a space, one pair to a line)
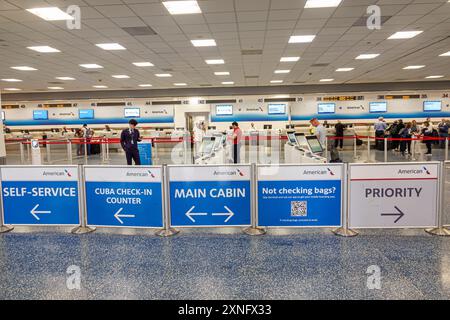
35, 212
117, 215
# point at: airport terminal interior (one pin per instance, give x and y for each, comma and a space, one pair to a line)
225, 149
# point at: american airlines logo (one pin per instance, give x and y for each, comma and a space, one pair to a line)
423, 170
147, 173
57, 173
229, 173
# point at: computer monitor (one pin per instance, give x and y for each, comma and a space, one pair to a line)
211, 127
207, 145
432, 105
40, 114
314, 144
267, 127
86, 114
132, 113
377, 107
301, 140
326, 108
291, 137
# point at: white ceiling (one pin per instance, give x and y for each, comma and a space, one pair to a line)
236, 25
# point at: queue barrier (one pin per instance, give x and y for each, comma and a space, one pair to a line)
254, 197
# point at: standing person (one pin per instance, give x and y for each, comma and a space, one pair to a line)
319, 131
339, 127
87, 135
443, 132
237, 136
405, 133
79, 135
129, 140
198, 137
380, 127
427, 132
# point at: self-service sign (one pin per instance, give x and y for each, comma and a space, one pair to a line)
41, 195
210, 195
393, 195
124, 196
300, 195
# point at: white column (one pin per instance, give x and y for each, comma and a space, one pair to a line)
2, 140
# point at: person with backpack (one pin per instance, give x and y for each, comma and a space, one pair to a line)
443, 132
406, 134
427, 132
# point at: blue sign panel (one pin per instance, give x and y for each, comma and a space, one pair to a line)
40, 202
299, 203
145, 153
210, 203
124, 204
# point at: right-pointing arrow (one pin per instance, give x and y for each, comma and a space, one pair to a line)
229, 214
398, 214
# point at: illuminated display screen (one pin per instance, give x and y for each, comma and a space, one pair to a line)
326, 108
132, 112
86, 114
277, 108
224, 110
40, 115
432, 105
378, 107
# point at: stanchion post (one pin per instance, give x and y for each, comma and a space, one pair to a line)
446, 149
440, 230
85, 151
345, 231
82, 228
385, 150
254, 230
22, 153
3, 228
354, 148
107, 149
167, 230
47, 149
69, 151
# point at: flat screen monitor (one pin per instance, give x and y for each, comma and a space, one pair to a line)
224, 110
132, 113
291, 137
277, 108
86, 113
377, 107
314, 144
432, 105
323, 108
207, 145
267, 127
301, 140
40, 114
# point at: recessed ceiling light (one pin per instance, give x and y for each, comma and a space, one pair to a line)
434, 77
44, 49
145, 85
215, 61
222, 73
367, 56
282, 71
12, 89
55, 88
321, 3
51, 14
276, 81
405, 35
447, 54
110, 46
182, 7
121, 76
91, 66
100, 87
301, 39
326, 80
289, 59
413, 67
24, 68
143, 64
163, 75
228, 82
11, 80
204, 43
180, 84
344, 69
65, 78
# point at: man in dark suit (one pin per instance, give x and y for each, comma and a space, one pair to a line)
129, 140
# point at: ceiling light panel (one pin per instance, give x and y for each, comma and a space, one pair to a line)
110, 46
301, 39
310, 4
44, 49
182, 7
50, 14
204, 43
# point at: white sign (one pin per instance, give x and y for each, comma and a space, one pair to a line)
122, 174
44, 173
209, 173
393, 195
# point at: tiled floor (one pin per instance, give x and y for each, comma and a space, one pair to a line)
310, 264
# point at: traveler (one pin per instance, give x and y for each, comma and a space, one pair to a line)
319, 131
405, 133
427, 132
443, 132
129, 141
380, 127
339, 135
237, 137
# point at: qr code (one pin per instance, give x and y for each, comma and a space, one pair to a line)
299, 209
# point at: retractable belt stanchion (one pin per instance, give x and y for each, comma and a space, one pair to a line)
3, 228
345, 231
82, 228
355, 156
167, 231
385, 150
85, 151
69, 151
368, 150
22, 153
254, 230
48, 150
440, 230
446, 149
